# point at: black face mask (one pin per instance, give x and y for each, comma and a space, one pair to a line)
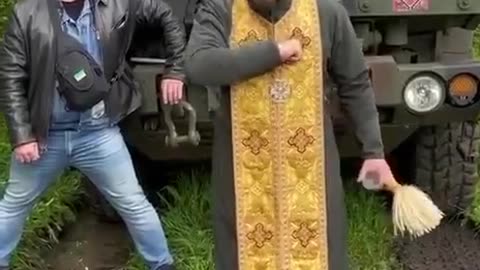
262, 6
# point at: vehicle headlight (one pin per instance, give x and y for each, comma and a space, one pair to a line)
424, 93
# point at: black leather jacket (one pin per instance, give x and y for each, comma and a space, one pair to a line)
27, 60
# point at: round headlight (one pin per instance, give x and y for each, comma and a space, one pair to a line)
424, 93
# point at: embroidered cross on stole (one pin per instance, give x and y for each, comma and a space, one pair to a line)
278, 143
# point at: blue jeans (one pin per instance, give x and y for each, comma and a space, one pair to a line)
103, 157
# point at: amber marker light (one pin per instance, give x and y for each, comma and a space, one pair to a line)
463, 89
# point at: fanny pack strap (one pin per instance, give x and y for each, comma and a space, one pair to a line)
54, 9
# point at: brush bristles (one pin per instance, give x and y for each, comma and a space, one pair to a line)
414, 212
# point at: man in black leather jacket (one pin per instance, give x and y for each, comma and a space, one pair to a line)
48, 137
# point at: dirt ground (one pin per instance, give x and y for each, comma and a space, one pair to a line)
91, 245
452, 246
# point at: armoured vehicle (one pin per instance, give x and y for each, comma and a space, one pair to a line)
425, 79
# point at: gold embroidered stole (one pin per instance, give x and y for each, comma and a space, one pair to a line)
278, 143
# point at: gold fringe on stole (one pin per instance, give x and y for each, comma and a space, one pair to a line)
278, 143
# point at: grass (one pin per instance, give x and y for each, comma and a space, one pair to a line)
186, 216
474, 213
187, 224
49, 215
52, 212
5, 7
186, 220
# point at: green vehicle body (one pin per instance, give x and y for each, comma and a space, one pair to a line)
438, 150
397, 45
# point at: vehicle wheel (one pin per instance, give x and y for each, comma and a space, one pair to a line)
98, 204
447, 164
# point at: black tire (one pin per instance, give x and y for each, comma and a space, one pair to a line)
447, 164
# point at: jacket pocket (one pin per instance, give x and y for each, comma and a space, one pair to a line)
120, 23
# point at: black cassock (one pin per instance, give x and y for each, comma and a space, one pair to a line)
210, 62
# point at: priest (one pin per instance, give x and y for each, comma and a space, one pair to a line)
279, 201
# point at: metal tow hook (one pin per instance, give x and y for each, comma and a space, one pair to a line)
173, 139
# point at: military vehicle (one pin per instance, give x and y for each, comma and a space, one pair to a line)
425, 79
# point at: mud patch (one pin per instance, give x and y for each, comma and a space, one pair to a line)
451, 246
91, 245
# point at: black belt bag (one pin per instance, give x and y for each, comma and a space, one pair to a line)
81, 79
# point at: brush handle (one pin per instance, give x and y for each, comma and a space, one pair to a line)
372, 182
392, 185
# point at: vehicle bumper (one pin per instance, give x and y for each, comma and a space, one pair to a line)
397, 122
389, 79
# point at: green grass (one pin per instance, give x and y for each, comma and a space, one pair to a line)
186, 220
52, 212
49, 215
370, 238
5, 7
186, 216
